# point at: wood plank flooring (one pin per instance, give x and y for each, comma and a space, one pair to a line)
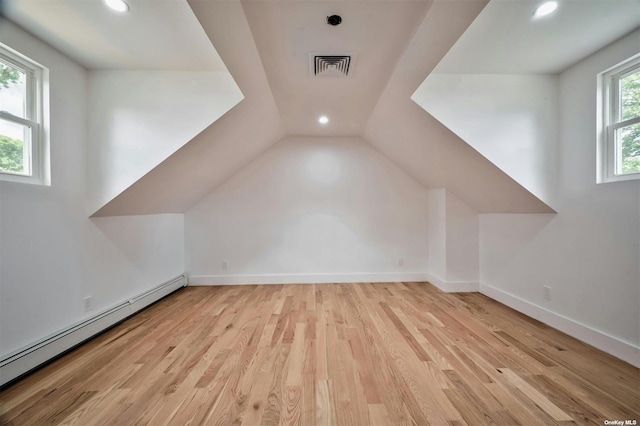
345, 354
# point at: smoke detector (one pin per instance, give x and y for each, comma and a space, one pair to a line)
334, 20
322, 65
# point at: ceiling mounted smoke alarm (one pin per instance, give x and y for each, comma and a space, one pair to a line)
334, 20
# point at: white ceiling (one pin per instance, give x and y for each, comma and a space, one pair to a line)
154, 34
505, 39
424, 147
286, 32
230, 143
265, 45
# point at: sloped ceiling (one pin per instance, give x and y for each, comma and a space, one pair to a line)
287, 32
271, 68
424, 147
227, 145
265, 46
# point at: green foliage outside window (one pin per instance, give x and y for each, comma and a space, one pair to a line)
11, 158
630, 108
8, 76
11, 155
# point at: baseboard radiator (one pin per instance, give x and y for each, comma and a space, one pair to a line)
22, 361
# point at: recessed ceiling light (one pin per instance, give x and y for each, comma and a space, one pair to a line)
545, 8
117, 5
323, 119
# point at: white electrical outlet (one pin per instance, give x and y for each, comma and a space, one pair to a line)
546, 291
225, 264
401, 262
87, 304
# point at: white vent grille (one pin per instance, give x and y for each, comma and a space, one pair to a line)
331, 65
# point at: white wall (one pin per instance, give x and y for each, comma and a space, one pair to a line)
512, 120
52, 255
311, 209
437, 231
138, 118
462, 244
589, 253
453, 242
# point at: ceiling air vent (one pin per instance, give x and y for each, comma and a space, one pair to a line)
330, 65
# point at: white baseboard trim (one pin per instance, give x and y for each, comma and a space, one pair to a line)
453, 286
306, 278
446, 286
22, 361
598, 339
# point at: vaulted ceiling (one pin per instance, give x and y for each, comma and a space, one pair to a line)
287, 32
266, 46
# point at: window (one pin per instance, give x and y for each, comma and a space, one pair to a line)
23, 152
620, 147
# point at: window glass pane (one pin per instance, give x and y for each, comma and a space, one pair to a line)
630, 95
15, 148
13, 89
628, 149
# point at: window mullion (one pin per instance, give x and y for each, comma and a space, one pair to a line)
614, 113
625, 123
19, 120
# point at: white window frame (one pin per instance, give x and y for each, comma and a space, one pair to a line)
38, 156
609, 106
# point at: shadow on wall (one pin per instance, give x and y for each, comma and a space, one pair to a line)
505, 240
148, 244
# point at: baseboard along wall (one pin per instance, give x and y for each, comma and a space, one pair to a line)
620, 349
306, 278
606, 343
454, 286
18, 363
24, 360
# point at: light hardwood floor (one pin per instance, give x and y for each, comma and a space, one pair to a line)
347, 354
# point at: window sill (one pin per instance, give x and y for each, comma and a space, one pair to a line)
31, 180
622, 178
